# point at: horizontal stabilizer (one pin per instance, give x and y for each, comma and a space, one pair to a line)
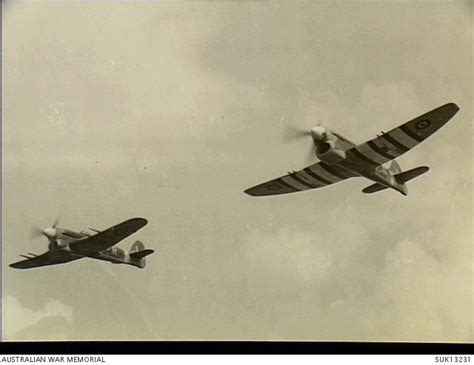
141, 254
411, 174
373, 188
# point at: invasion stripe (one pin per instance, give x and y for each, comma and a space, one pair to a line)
333, 171
302, 181
411, 134
399, 135
395, 142
288, 185
317, 177
294, 182
367, 151
304, 175
360, 156
317, 169
378, 150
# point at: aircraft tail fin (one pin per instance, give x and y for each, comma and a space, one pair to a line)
401, 177
411, 174
374, 188
136, 247
395, 168
138, 253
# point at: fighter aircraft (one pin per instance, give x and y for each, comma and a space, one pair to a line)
341, 159
66, 246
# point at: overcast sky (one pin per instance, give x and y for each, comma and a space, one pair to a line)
169, 111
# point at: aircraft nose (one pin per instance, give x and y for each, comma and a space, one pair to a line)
318, 133
50, 232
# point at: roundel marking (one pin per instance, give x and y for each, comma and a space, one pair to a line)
273, 187
422, 124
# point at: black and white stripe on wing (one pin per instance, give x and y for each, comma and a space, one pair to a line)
382, 150
336, 171
284, 183
413, 135
310, 177
323, 173
362, 158
369, 153
290, 180
303, 180
316, 176
398, 146
403, 137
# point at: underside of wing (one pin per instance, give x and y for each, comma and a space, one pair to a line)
108, 238
389, 146
45, 259
315, 176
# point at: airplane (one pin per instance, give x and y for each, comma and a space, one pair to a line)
66, 246
341, 159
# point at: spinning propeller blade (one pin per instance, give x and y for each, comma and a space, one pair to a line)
36, 232
295, 133
56, 222
311, 154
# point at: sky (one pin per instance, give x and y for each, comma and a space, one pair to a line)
169, 111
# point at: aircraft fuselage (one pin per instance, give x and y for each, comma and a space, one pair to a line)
60, 246
379, 174
367, 169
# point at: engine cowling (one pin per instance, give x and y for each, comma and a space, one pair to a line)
57, 244
327, 153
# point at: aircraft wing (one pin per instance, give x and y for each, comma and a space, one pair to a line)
108, 238
389, 146
311, 177
45, 259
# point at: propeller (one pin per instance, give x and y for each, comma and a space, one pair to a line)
36, 232
295, 133
311, 154
317, 134
292, 133
48, 232
56, 222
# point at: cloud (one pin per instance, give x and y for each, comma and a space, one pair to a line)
19, 319
421, 297
288, 255
340, 290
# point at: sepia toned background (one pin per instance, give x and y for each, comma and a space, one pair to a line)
169, 111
